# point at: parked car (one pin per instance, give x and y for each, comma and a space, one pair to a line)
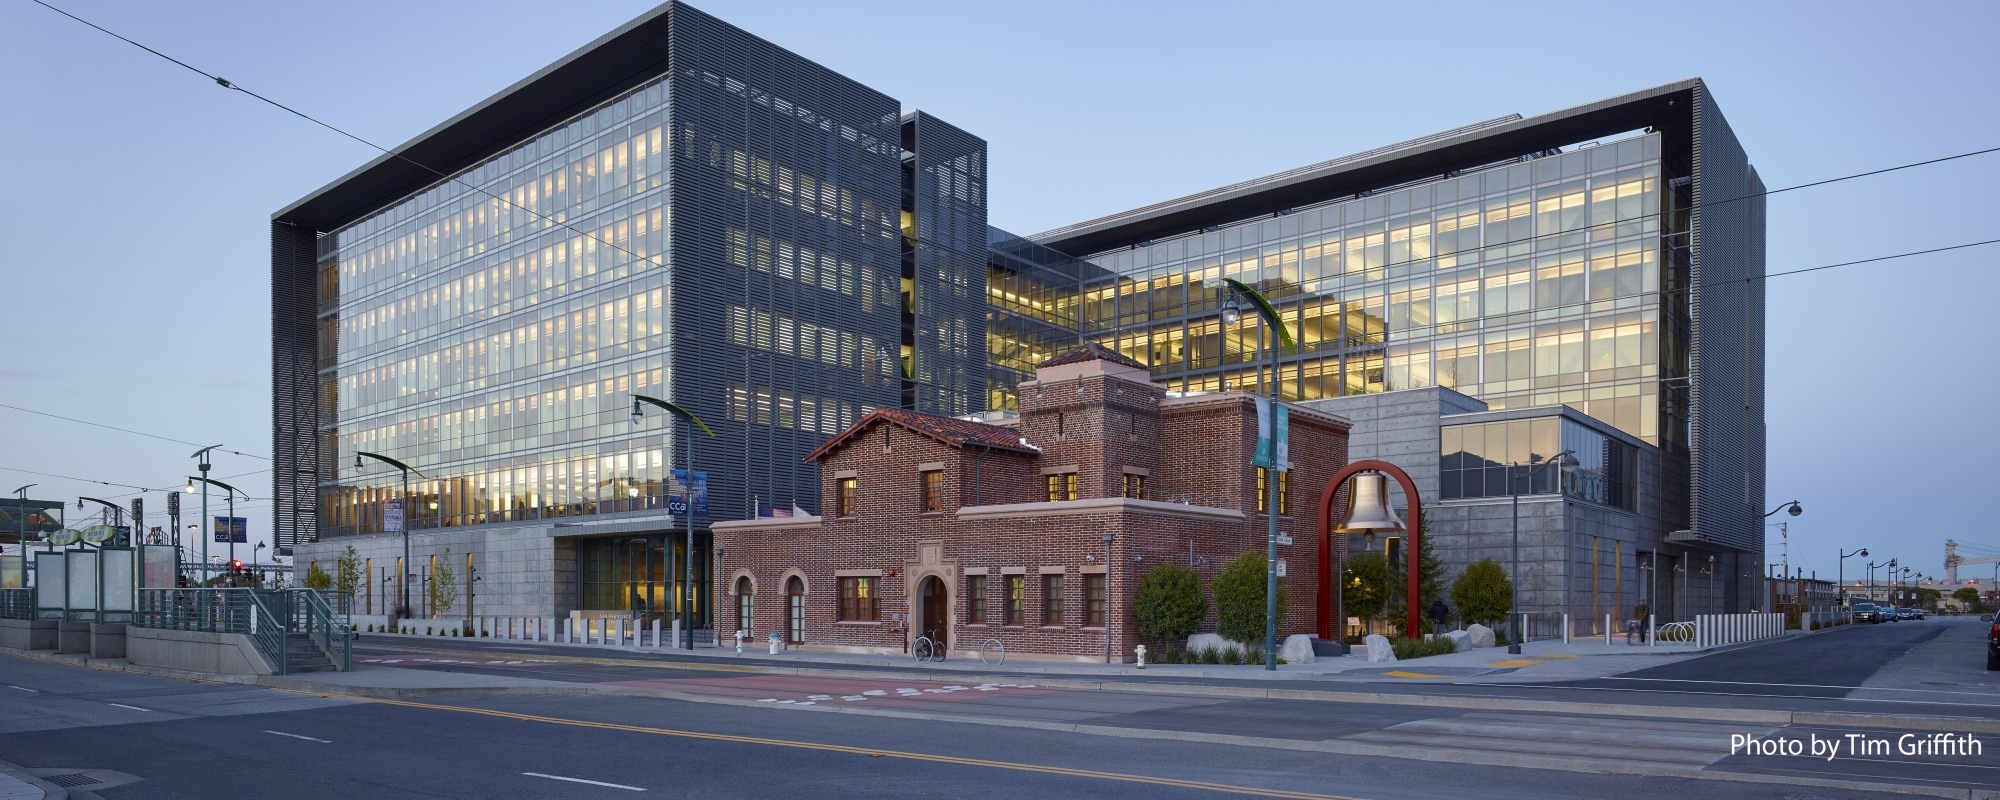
1909, 613
1867, 612
1992, 644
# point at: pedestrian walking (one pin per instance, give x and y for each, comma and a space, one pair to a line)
1439, 613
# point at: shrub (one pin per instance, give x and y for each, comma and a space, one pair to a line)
484, 634
427, 630
1169, 605
1483, 593
1232, 656
1407, 648
1211, 655
1366, 586
1239, 599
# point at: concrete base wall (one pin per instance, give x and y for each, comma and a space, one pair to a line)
195, 651
72, 636
28, 634
107, 640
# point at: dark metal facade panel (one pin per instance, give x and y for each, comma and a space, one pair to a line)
295, 405
1726, 339
786, 190
951, 301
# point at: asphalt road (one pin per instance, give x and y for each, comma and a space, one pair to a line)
182, 742
1827, 672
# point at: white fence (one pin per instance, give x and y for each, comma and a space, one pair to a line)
1719, 629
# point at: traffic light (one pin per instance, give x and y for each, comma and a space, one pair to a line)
236, 566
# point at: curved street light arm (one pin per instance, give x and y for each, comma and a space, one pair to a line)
673, 409
360, 454
1264, 310
213, 482
1793, 505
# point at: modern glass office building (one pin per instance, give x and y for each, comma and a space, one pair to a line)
682, 210
679, 210
1603, 257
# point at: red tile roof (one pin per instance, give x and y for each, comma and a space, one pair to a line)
1091, 352
950, 430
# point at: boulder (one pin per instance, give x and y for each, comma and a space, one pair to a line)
1202, 641
1480, 636
1297, 649
1460, 641
1378, 648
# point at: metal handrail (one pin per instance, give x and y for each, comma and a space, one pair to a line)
17, 604
216, 611
325, 627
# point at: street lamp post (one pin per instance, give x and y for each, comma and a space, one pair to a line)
403, 521
1231, 312
230, 492
1841, 574
21, 513
687, 559
201, 464
1562, 460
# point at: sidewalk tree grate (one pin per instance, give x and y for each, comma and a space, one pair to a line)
71, 780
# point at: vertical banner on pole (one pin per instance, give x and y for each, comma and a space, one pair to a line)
1262, 458
1281, 436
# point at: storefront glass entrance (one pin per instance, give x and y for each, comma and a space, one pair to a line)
640, 577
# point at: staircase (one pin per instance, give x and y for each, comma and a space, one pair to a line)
302, 654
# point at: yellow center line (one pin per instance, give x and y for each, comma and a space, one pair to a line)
1519, 662
1397, 673
860, 751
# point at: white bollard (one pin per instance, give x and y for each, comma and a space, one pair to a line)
1565, 628
656, 632
1607, 629
1652, 631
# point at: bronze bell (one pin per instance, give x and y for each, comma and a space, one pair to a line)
1368, 508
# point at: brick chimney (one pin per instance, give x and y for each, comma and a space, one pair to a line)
1094, 411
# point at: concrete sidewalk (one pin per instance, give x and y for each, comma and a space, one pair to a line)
17, 784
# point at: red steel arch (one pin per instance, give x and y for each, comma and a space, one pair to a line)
1329, 579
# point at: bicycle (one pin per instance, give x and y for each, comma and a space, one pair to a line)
993, 652
928, 648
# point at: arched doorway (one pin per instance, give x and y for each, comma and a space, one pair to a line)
746, 595
932, 605
795, 611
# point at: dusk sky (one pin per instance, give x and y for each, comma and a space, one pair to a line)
136, 272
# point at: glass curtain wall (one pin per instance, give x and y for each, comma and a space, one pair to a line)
492, 337
1477, 460
642, 576
1534, 283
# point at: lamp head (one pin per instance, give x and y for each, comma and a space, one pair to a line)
1231, 313
1795, 509
1567, 460
357, 460
1864, 552
638, 416
189, 488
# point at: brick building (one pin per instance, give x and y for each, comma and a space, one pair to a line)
1031, 530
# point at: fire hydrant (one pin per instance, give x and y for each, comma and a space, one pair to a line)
1141, 651
777, 643
740, 636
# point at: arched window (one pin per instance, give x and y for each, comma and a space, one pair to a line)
795, 611
746, 619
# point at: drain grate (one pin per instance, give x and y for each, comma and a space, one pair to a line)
71, 780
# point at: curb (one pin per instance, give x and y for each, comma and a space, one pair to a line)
17, 772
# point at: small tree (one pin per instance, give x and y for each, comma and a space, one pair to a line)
1968, 597
347, 571
317, 578
1239, 599
1431, 583
1483, 593
1365, 586
444, 586
1169, 604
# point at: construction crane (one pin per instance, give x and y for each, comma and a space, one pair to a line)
1982, 554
